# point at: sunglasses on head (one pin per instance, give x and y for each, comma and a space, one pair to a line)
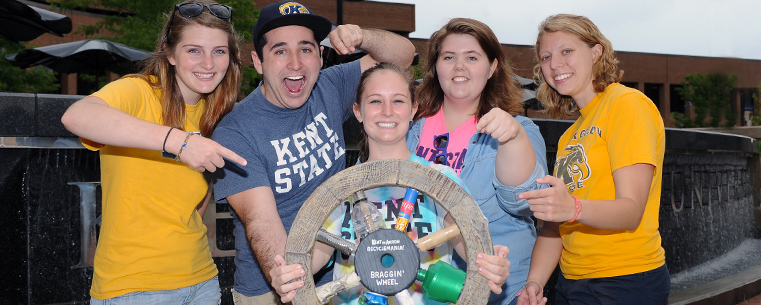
192, 9
440, 142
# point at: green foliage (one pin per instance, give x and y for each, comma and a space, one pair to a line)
710, 96
756, 120
101, 81
682, 120
418, 71
250, 77
138, 23
12, 79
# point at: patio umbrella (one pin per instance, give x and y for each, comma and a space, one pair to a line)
21, 22
92, 56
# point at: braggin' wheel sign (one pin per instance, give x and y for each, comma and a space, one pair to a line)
387, 261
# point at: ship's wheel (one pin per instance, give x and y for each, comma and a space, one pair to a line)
472, 227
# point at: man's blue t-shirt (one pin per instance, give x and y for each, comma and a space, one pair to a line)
292, 151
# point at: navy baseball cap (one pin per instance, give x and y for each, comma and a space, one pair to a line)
285, 13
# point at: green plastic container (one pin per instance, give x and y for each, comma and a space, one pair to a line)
442, 282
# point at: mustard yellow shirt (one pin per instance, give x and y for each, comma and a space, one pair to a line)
152, 237
618, 128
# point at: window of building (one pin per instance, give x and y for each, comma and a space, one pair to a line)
678, 104
653, 91
747, 105
632, 85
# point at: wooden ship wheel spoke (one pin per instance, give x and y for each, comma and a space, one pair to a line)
387, 260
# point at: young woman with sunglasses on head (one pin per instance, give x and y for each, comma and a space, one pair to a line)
601, 210
385, 105
152, 246
469, 101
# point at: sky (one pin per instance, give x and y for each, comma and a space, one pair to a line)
713, 28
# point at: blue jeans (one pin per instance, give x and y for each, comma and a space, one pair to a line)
204, 293
649, 287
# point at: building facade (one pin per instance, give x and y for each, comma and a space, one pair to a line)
657, 75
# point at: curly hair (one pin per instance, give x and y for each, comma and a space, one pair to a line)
604, 71
501, 90
162, 75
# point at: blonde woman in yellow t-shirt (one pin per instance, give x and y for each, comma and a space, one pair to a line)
151, 131
601, 209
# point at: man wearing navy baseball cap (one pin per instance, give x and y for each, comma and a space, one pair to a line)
290, 131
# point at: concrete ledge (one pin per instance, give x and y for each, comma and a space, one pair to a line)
748, 131
727, 291
34, 115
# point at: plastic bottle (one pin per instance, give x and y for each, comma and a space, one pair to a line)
365, 217
442, 282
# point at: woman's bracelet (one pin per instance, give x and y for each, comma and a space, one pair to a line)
163, 146
578, 208
535, 282
184, 145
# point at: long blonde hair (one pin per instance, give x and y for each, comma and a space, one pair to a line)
220, 101
604, 71
502, 89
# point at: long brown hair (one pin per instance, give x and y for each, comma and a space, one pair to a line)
604, 71
362, 146
502, 89
220, 101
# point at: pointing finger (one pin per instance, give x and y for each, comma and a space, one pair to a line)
232, 156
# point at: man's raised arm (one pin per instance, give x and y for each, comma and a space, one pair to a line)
380, 45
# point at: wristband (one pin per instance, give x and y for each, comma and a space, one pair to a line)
163, 146
535, 282
578, 208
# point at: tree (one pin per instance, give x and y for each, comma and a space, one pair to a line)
756, 120
138, 23
710, 96
13, 79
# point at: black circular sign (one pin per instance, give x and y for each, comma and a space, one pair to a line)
387, 261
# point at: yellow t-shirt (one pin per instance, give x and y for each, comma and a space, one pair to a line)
151, 237
618, 128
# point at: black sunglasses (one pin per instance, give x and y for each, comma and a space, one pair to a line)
441, 142
192, 9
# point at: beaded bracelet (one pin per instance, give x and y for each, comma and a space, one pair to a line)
578, 208
184, 145
163, 147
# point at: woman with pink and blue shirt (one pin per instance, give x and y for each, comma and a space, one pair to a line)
467, 119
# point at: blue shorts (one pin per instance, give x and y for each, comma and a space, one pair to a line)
204, 293
649, 287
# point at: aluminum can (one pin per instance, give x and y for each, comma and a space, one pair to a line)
371, 298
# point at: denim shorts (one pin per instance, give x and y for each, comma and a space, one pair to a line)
649, 287
204, 293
